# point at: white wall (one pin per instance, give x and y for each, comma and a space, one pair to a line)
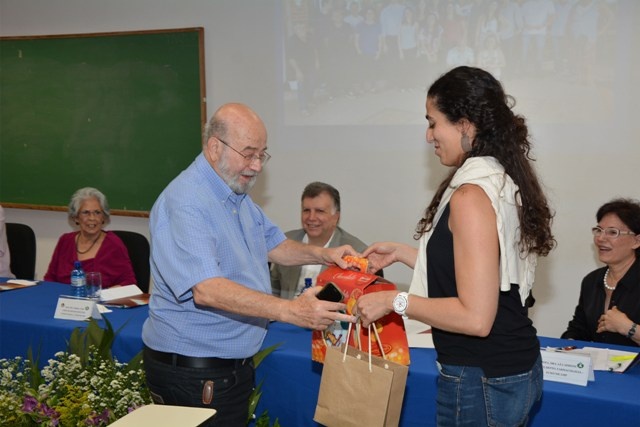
585, 138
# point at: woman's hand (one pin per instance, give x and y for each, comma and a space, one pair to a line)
371, 307
614, 320
383, 254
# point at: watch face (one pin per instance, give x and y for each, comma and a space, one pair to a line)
400, 303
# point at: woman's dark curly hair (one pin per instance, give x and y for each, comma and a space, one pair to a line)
475, 95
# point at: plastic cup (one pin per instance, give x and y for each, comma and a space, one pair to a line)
94, 284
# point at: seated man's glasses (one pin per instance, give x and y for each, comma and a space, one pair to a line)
263, 157
610, 232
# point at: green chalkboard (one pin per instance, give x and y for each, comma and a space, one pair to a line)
121, 112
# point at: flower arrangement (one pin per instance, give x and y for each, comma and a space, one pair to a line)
83, 386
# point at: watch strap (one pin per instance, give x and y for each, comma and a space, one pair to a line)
632, 330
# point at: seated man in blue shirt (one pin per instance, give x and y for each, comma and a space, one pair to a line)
211, 301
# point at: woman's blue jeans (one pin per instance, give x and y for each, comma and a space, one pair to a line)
467, 398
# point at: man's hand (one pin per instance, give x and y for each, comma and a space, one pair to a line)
335, 256
310, 312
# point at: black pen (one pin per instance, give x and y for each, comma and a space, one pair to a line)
613, 368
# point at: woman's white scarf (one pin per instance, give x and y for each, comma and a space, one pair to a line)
487, 173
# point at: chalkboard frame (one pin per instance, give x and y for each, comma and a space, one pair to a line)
13, 178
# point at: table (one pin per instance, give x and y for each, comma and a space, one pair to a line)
292, 381
26, 320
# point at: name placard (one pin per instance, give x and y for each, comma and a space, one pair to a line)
70, 308
567, 367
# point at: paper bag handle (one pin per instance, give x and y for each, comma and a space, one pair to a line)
346, 344
375, 331
357, 338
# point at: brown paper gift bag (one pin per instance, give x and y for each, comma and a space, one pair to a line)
358, 389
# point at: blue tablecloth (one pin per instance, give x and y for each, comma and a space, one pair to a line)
292, 380
26, 320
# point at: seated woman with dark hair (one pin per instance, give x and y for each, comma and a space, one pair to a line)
609, 306
95, 248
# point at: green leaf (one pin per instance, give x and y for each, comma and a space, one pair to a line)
135, 363
259, 357
82, 339
35, 376
254, 398
76, 345
101, 338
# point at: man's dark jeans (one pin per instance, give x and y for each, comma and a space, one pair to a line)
231, 388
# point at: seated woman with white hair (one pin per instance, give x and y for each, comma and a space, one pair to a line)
96, 248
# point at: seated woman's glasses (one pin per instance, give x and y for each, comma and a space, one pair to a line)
609, 232
87, 213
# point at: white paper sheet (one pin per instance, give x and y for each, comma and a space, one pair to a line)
23, 282
120, 292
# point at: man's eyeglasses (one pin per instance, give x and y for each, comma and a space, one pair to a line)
87, 213
263, 157
610, 232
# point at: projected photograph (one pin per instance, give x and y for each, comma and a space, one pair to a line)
370, 61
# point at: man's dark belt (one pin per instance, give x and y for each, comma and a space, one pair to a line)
175, 359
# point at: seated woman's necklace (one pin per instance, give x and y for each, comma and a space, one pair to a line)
100, 234
606, 285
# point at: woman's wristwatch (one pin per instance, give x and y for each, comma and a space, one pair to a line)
401, 303
632, 330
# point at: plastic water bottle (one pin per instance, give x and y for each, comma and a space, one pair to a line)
78, 281
307, 283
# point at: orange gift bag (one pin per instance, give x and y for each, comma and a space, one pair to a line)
390, 328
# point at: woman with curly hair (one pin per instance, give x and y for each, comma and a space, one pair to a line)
479, 241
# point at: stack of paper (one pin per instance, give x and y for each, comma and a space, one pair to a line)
124, 297
17, 284
605, 359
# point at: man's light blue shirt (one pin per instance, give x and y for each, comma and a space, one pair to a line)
201, 229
